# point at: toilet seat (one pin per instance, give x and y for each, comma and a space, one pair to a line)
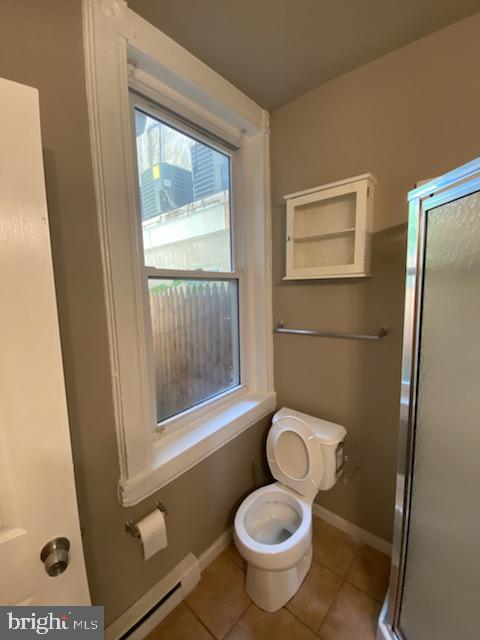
294, 455
275, 556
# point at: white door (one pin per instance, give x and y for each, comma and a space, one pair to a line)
37, 491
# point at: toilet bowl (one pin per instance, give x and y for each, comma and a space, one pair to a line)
273, 525
273, 533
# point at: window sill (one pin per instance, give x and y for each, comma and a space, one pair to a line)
176, 452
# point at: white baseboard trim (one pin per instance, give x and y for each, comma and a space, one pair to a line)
215, 549
356, 532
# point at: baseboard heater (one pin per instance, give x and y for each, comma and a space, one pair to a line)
145, 614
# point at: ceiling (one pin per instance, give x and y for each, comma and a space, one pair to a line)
275, 50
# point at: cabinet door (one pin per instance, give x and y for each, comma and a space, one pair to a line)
327, 234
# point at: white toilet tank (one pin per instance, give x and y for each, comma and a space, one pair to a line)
325, 457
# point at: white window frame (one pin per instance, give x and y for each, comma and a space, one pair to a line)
123, 50
237, 253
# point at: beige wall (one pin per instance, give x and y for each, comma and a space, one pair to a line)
405, 117
410, 115
41, 45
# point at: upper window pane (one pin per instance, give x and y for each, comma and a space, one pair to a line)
184, 199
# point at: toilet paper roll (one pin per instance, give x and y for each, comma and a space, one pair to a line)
153, 533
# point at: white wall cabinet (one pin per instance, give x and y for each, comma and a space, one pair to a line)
329, 230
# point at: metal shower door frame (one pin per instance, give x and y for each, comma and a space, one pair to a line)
451, 186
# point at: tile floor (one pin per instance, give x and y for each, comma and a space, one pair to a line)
340, 599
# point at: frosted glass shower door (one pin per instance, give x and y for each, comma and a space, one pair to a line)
441, 589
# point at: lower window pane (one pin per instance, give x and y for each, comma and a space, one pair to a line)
195, 341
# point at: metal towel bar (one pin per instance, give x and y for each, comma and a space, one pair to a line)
382, 332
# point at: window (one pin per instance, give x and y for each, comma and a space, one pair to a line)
195, 341
180, 160
185, 202
186, 215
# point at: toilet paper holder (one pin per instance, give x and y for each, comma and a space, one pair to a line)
131, 526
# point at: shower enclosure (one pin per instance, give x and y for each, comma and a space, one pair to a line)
434, 591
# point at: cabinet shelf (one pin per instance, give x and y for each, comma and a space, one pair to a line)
324, 235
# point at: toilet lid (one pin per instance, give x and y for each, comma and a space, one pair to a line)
294, 455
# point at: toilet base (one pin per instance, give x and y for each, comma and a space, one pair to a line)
270, 590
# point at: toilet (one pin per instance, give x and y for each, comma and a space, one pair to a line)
273, 525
